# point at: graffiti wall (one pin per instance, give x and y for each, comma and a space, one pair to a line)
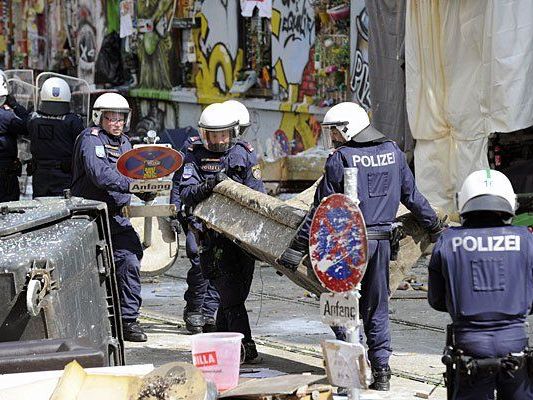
88, 29
217, 49
359, 74
155, 43
293, 31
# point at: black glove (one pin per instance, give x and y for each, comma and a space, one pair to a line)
11, 101
208, 185
294, 254
211, 181
438, 227
146, 196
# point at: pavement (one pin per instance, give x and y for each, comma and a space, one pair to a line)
287, 328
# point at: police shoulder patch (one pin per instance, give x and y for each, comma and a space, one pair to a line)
100, 151
188, 170
256, 171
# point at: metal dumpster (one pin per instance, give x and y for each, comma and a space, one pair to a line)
58, 293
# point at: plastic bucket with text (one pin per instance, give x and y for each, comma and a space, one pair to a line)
218, 356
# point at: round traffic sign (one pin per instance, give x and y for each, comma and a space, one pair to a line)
338, 243
149, 162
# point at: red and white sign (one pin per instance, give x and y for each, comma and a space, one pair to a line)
208, 359
338, 244
149, 162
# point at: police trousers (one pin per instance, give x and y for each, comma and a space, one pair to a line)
374, 303
231, 270
127, 253
9, 187
491, 344
201, 295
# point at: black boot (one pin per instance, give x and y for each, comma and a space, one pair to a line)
194, 320
133, 332
210, 325
381, 379
249, 353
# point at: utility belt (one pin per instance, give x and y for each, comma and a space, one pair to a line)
396, 234
463, 367
11, 168
470, 367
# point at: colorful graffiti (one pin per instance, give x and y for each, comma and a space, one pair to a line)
155, 43
359, 83
89, 28
217, 50
293, 31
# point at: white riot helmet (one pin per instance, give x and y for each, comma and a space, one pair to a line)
111, 102
352, 123
486, 190
54, 98
218, 128
4, 90
240, 112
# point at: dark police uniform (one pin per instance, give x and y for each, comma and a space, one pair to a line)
12, 124
383, 181
95, 176
201, 296
483, 277
224, 263
52, 144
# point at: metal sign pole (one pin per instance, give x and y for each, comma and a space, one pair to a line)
352, 336
350, 190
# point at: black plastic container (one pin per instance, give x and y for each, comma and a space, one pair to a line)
57, 282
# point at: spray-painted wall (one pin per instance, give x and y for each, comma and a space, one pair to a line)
285, 123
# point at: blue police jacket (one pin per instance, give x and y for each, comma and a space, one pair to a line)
483, 277
95, 175
176, 178
53, 137
239, 163
12, 124
383, 181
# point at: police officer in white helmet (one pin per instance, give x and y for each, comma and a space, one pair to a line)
384, 180
481, 273
53, 130
95, 176
220, 154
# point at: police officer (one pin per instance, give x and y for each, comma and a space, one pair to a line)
53, 130
221, 155
201, 297
481, 273
95, 177
383, 181
12, 123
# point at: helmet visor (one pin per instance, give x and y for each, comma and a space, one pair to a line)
331, 137
116, 117
218, 140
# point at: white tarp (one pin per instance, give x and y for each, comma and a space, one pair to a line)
469, 68
264, 7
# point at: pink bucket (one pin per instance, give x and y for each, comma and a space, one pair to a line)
218, 356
